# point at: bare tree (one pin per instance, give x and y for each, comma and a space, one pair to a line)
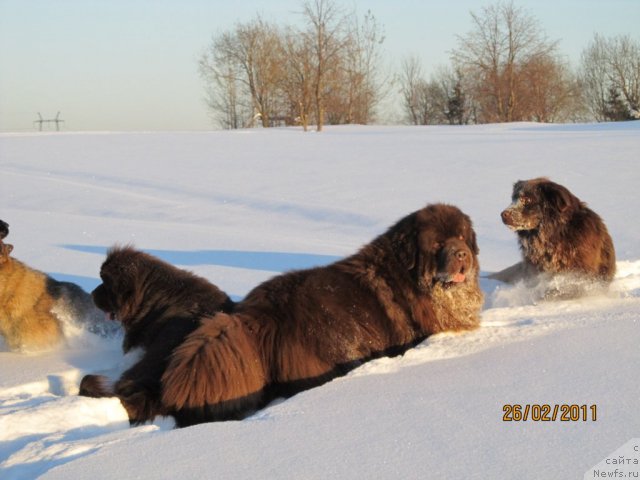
594, 77
257, 51
550, 91
410, 84
610, 74
298, 80
249, 56
326, 33
362, 68
330, 69
456, 105
223, 90
503, 39
625, 62
439, 100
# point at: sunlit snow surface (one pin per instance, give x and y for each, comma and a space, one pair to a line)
239, 207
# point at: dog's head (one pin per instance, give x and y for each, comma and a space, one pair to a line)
120, 293
5, 251
536, 201
4, 229
138, 286
438, 245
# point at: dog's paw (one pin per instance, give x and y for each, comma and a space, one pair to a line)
96, 386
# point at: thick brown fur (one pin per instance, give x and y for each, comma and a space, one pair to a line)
33, 306
158, 306
26, 320
303, 328
557, 234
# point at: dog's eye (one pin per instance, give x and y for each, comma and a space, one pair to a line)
526, 200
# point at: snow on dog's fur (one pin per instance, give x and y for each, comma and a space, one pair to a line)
558, 235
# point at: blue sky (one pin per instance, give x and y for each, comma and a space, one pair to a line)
132, 64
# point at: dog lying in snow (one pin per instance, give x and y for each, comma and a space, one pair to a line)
559, 236
35, 308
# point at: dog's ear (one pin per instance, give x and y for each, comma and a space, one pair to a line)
404, 242
559, 198
5, 250
426, 257
517, 188
425, 270
473, 242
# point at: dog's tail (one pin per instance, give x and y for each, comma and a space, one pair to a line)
215, 374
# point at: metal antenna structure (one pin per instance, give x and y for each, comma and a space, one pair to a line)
57, 120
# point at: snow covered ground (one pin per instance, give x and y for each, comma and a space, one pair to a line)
238, 207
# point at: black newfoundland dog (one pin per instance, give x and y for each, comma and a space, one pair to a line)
158, 306
558, 234
303, 328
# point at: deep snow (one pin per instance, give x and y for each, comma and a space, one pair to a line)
238, 207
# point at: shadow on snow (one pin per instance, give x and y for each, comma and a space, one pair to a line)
270, 261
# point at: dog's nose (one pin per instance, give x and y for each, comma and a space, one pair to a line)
461, 255
505, 215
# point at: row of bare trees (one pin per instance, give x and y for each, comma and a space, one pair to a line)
327, 71
512, 71
507, 70
330, 71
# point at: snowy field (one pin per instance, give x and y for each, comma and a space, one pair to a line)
239, 207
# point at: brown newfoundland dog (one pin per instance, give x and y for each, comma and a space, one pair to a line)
158, 306
303, 328
558, 234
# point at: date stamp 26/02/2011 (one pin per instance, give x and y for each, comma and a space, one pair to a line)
549, 413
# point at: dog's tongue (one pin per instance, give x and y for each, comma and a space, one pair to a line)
458, 277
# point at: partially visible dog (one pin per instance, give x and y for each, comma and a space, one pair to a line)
34, 308
158, 306
4, 229
558, 235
